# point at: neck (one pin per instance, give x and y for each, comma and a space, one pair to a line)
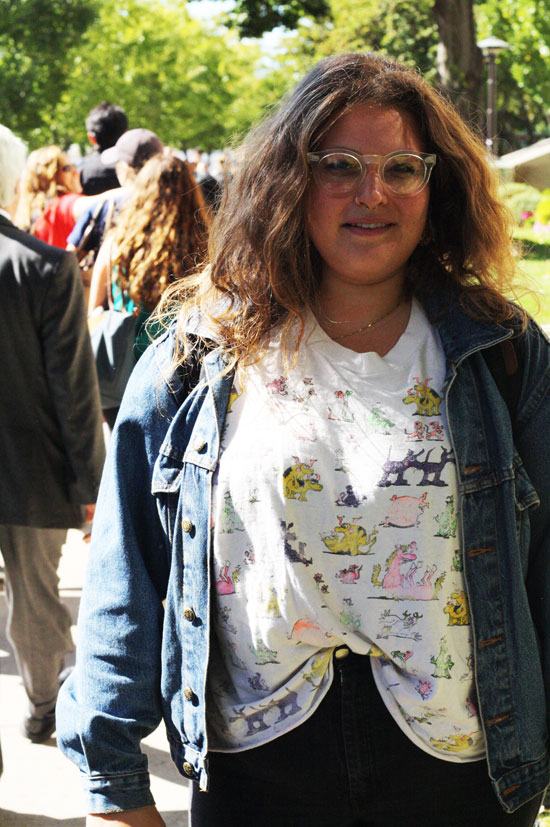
365, 318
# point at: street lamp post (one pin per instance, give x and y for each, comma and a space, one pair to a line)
491, 47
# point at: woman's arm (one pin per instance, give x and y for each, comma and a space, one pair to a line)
144, 817
100, 277
112, 700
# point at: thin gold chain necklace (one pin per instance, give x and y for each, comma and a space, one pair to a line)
365, 326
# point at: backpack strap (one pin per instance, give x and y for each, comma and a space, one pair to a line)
505, 361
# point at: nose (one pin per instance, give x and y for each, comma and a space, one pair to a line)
371, 192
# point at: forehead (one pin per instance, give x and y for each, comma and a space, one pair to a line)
369, 129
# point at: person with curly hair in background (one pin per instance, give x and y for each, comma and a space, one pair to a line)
50, 198
160, 236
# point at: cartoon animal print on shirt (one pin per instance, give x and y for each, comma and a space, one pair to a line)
457, 564
472, 708
447, 520
434, 431
257, 683
405, 512
278, 387
233, 396
398, 468
300, 478
379, 421
427, 400
262, 653
308, 631
349, 498
399, 584
285, 706
341, 410
442, 662
457, 609
453, 743
350, 575
225, 620
432, 469
417, 435
290, 552
303, 392
349, 538
425, 689
402, 625
318, 674
226, 583
229, 519
402, 657
348, 616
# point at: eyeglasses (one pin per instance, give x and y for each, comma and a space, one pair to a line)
341, 172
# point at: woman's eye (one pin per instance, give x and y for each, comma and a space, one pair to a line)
341, 166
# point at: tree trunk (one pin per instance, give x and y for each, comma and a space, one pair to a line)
459, 61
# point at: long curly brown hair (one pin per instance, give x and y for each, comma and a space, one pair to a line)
40, 183
160, 234
262, 268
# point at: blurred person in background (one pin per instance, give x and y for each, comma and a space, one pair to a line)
159, 237
50, 198
127, 156
51, 441
105, 123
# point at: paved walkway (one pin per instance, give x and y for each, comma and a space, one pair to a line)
39, 786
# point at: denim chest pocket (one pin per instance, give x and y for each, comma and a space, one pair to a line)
525, 499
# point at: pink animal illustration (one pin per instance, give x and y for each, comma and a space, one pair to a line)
404, 512
400, 586
424, 689
349, 575
225, 583
278, 386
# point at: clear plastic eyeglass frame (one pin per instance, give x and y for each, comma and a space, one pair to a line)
346, 182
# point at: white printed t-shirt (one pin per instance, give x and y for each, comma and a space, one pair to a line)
334, 523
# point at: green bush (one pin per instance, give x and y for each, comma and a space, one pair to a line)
520, 198
542, 211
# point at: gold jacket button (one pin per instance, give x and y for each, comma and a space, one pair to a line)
188, 694
343, 652
188, 768
189, 614
187, 526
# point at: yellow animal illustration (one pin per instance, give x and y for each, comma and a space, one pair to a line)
319, 666
454, 743
300, 478
427, 400
457, 609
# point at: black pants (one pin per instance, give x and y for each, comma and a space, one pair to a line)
349, 765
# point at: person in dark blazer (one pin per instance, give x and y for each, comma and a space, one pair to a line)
51, 440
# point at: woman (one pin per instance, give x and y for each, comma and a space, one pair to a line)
159, 237
326, 566
51, 197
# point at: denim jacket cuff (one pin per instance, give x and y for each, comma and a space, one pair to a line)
116, 793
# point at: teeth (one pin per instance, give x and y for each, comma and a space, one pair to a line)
368, 226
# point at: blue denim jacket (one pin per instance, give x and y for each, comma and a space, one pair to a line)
144, 621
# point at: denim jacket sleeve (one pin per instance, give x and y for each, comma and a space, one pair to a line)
112, 699
532, 421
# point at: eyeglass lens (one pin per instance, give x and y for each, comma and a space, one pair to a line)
403, 174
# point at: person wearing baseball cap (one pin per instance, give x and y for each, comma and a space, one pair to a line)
134, 147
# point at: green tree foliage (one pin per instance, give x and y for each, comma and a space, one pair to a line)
255, 17
192, 83
523, 76
35, 37
402, 29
